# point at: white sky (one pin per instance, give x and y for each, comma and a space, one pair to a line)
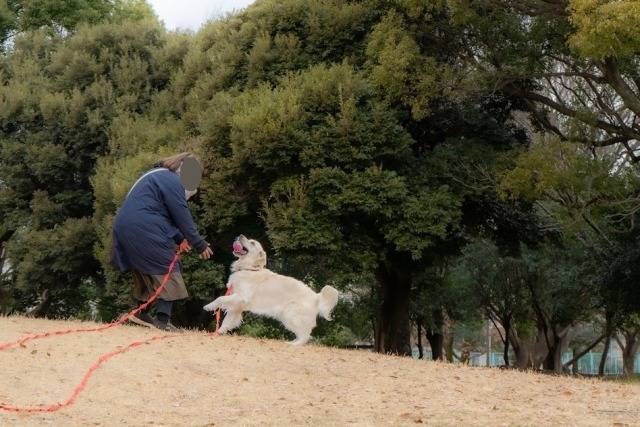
191, 14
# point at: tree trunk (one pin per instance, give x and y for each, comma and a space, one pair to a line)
628, 359
505, 355
465, 352
435, 336
5, 295
605, 353
574, 365
394, 326
40, 310
608, 333
2, 259
378, 338
507, 327
436, 342
523, 356
448, 338
419, 328
381, 325
530, 352
629, 351
577, 356
553, 361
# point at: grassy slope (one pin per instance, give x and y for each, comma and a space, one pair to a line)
201, 380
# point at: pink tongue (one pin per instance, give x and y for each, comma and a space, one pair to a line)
237, 246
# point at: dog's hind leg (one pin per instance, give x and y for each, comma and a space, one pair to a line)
232, 320
302, 327
301, 340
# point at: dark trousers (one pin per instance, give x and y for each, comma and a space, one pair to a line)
163, 309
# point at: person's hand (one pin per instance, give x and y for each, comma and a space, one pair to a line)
185, 246
207, 253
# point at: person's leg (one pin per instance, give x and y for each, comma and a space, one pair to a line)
163, 310
162, 319
141, 284
174, 290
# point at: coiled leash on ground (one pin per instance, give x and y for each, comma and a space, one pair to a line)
103, 358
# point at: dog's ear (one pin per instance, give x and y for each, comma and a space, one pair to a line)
262, 258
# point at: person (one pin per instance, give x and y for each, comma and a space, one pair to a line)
153, 221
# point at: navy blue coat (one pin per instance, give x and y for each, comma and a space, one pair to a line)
153, 219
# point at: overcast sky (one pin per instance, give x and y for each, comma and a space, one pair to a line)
191, 14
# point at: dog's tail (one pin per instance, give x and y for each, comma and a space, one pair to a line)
327, 300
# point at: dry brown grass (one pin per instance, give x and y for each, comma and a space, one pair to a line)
199, 380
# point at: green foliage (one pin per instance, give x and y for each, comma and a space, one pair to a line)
58, 260
132, 10
559, 167
260, 327
66, 100
496, 284
586, 195
396, 61
616, 275
543, 289
605, 28
203, 278
18, 16
68, 14
338, 336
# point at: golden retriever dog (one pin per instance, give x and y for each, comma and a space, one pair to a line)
261, 291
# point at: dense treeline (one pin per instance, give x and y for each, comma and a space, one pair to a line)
441, 163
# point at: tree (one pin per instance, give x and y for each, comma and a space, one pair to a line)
366, 144
617, 275
56, 266
317, 138
63, 17
536, 297
497, 285
60, 96
592, 201
336, 206
572, 63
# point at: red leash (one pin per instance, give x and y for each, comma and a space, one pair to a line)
83, 383
21, 341
229, 292
102, 359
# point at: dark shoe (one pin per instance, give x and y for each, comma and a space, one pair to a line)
165, 326
142, 319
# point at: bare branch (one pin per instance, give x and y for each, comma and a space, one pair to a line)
587, 76
567, 111
615, 79
583, 352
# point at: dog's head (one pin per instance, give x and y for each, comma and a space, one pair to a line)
250, 254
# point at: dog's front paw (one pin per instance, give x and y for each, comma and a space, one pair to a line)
210, 307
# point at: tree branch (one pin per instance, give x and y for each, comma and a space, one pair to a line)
587, 76
498, 329
563, 109
583, 352
615, 79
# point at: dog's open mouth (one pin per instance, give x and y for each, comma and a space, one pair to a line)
238, 249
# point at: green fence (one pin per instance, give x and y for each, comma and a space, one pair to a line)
588, 364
